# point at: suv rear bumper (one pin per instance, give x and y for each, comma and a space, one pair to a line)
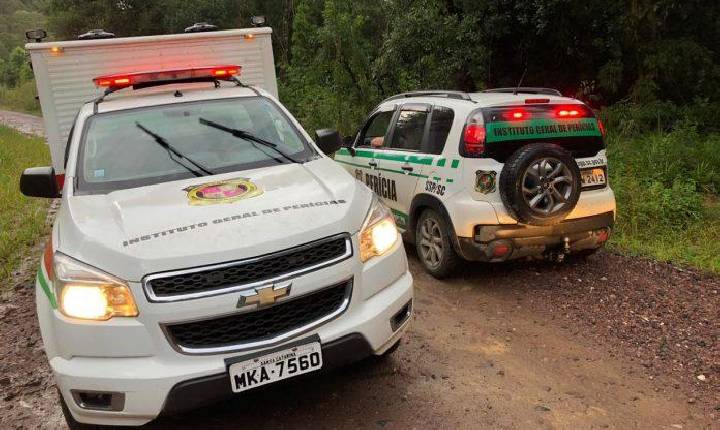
519, 240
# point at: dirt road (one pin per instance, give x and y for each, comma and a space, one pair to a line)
25, 123
611, 342
521, 345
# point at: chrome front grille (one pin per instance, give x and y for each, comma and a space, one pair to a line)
262, 327
233, 276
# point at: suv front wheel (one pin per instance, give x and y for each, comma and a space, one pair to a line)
433, 244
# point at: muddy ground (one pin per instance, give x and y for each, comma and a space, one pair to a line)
608, 342
611, 342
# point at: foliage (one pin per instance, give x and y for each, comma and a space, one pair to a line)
667, 189
328, 82
20, 98
22, 219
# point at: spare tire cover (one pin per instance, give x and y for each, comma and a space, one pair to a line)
540, 184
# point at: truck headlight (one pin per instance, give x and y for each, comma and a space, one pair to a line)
378, 233
88, 293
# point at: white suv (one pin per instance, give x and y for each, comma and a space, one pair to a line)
490, 176
205, 246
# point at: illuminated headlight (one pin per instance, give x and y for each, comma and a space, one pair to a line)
379, 233
88, 293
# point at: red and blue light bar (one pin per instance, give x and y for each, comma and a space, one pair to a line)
124, 80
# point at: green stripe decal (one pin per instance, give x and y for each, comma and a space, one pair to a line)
46, 288
455, 164
441, 162
541, 128
380, 155
417, 175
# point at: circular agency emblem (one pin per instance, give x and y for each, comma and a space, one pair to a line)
485, 181
228, 191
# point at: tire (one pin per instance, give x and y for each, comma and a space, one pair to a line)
434, 248
540, 184
72, 423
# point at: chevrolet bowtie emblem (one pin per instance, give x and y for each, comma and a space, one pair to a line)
264, 296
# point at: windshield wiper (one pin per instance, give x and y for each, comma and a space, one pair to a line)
172, 151
242, 134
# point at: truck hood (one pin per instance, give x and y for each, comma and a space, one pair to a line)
200, 221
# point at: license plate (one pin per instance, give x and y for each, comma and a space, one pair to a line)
593, 177
275, 366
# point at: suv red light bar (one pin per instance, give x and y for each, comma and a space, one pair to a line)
516, 114
573, 111
130, 79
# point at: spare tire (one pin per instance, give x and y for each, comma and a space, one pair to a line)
540, 184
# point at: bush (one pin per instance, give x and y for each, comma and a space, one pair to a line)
629, 119
667, 188
20, 98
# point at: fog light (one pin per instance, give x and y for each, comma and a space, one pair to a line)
99, 400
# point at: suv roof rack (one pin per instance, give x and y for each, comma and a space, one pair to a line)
460, 95
525, 90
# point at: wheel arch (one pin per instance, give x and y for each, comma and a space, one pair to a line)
428, 201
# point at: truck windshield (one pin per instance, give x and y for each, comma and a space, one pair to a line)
115, 154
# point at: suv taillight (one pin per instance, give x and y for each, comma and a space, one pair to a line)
474, 139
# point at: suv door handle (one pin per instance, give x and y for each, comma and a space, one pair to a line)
372, 164
407, 168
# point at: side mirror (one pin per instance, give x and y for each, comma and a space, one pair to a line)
328, 140
39, 182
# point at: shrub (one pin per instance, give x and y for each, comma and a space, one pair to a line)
20, 98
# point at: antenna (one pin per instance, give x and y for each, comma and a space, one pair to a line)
520, 82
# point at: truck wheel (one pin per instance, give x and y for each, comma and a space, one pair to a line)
433, 244
72, 423
540, 184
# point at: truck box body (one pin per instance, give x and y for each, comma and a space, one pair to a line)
64, 71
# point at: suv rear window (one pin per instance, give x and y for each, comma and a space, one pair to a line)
441, 121
116, 154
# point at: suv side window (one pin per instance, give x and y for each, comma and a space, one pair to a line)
376, 129
409, 130
441, 121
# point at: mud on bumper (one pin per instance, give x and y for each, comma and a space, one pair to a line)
506, 242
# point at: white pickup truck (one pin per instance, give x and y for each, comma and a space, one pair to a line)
204, 245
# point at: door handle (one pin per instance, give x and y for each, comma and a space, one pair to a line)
372, 164
407, 168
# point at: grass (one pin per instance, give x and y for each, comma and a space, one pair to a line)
20, 98
22, 219
667, 187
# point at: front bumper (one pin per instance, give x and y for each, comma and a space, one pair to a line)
506, 242
199, 392
132, 356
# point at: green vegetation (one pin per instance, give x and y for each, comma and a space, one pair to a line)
20, 98
651, 65
667, 187
17, 88
22, 219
